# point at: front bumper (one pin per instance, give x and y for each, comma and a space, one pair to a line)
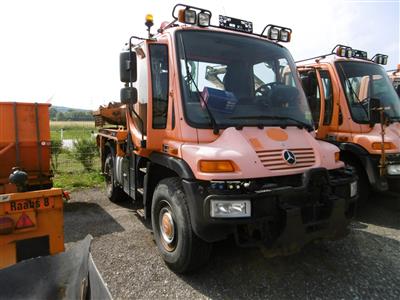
283, 218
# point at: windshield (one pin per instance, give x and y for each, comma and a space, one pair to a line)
362, 81
238, 81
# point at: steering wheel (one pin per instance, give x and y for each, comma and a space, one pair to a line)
263, 93
265, 89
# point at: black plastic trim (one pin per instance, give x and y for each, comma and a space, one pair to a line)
178, 165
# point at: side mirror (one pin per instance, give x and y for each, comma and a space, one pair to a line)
129, 95
128, 67
374, 111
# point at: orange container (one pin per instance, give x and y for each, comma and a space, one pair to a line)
31, 225
25, 143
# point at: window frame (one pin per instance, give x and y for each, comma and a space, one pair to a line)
152, 76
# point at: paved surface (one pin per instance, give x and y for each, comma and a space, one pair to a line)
364, 265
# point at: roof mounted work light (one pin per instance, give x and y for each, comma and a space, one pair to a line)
204, 19
343, 51
277, 33
380, 59
191, 15
187, 16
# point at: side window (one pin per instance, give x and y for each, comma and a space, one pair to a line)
313, 94
159, 79
328, 93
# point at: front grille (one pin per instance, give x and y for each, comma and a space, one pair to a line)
274, 161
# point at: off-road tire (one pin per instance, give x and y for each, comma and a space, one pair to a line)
113, 191
186, 251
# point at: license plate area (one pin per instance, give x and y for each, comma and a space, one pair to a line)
28, 204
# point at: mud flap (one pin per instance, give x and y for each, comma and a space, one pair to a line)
69, 275
296, 234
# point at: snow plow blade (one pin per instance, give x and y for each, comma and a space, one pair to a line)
69, 275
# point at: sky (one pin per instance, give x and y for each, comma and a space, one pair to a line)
66, 52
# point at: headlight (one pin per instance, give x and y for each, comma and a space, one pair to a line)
230, 209
353, 189
393, 169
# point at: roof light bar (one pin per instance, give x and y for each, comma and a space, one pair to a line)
277, 33
380, 59
343, 51
191, 15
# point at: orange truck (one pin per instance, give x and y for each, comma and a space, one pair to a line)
218, 141
394, 75
31, 213
355, 107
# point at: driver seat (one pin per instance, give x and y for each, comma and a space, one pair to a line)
237, 81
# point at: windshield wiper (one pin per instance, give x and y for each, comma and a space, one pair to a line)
189, 76
309, 127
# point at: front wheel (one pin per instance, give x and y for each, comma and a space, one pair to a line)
179, 246
363, 186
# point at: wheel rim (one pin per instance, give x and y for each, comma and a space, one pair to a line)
167, 229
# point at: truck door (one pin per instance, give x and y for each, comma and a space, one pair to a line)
311, 86
317, 86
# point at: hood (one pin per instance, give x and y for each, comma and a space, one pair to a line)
258, 153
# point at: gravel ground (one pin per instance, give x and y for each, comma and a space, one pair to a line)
364, 265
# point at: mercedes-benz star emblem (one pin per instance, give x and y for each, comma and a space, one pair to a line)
289, 157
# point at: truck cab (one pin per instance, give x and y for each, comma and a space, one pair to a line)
346, 92
394, 76
219, 142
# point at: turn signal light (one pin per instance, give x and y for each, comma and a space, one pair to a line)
386, 146
6, 225
337, 156
216, 166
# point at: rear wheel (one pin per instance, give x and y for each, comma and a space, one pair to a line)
179, 246
114, 192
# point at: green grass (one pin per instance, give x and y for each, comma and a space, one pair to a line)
72, 129
73, 181
71, 175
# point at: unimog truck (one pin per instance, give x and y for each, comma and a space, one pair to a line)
218, 141
355, 107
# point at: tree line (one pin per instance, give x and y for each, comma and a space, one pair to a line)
70, 115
